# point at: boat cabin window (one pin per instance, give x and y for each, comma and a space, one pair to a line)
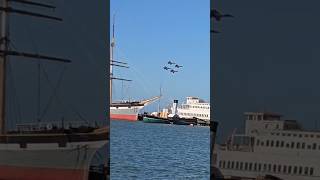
284, 169
289, 169
306, 170
295, 170
259, 117
279, 168
300, 170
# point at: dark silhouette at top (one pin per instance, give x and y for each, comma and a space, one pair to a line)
217, 15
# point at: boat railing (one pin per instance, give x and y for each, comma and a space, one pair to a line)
43, 126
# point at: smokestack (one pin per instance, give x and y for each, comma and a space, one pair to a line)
174, 107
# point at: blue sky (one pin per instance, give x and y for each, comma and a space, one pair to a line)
148, 34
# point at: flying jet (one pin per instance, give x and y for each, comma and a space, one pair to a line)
166, 68
177, 66
173, 71
217, 15
171, 62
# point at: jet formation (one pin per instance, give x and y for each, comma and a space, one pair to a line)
171, 69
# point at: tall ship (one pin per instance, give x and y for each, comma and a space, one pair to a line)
270, 146
52, 150
194, 107
123, 110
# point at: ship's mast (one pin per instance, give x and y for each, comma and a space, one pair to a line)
5, 9
112, 57
3, 58
113, 62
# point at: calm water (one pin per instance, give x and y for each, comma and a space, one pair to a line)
159, 151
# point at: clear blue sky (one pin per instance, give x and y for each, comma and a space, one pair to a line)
148, 34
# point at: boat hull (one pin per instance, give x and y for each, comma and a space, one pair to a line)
29, 173
128, 113
155, 120
48, 156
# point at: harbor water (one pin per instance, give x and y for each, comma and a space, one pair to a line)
159, 151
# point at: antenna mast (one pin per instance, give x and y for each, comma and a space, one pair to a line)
112, 57
3, 59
